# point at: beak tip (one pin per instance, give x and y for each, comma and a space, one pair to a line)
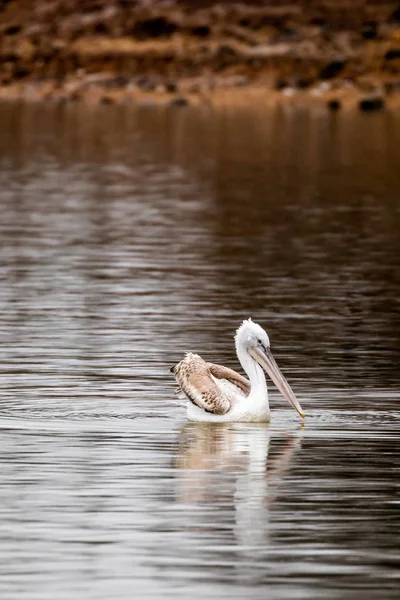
302, 415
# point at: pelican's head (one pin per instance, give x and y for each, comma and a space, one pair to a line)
255, 341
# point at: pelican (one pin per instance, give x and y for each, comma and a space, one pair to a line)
219, 394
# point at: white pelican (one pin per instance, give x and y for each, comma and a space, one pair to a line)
219, 394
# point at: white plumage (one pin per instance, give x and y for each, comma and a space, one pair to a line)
219, 394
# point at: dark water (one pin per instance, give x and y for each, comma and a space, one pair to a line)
128, 237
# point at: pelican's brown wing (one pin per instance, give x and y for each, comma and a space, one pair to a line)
194, 378
221, 372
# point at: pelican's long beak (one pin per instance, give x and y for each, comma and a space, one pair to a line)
268, 363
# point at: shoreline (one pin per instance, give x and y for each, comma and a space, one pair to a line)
180, 52
105, 92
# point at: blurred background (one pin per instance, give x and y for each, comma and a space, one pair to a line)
341, 52
168, 169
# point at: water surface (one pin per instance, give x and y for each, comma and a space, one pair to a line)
131, 236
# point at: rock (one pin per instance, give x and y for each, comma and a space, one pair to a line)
332, 69
371, 103
288, 91
297, 83
334, 104
369, 86
271, 50
395, 16
242, 81
20, 72
153, 28
25, 50
171, 87
225, 56
280, 84
392, 54
200, 31
369, 30
392, 87
180, 101
12, 29
321, 88
303, 83
120, 81
147, 84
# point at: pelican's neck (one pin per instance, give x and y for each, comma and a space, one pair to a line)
258, 385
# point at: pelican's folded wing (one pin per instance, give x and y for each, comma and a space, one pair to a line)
194, 377
230, 375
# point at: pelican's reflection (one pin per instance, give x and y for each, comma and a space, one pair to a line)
235, 466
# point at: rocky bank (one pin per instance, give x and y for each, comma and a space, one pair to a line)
338, 52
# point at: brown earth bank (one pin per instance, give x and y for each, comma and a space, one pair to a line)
340, 52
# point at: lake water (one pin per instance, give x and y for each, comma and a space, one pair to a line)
131, 236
